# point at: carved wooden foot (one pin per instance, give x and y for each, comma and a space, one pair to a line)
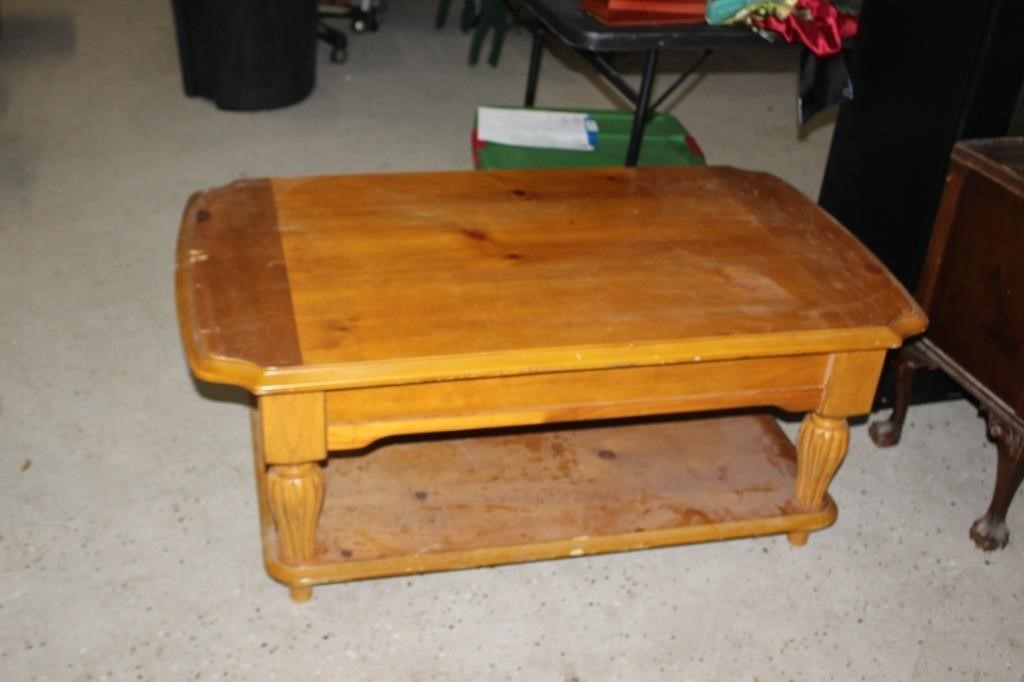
295, 493
887, 433
300, 593
797, 538
990, 531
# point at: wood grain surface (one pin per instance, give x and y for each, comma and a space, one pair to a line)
1000, 159
232, 280
406, 278
976, 285
356, 418
479, 499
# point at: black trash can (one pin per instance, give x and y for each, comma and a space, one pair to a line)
247, 55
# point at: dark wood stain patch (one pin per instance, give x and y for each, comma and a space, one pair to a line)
237, 313
475, 234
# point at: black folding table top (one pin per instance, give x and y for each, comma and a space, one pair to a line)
584, 32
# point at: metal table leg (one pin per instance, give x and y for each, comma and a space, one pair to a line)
636, 136
613, 77
535, 54
687, 72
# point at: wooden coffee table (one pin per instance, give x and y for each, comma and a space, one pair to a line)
501, 364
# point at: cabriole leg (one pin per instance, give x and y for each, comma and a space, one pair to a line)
887, 433
990, 531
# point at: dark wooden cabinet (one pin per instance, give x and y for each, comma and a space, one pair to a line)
972, 288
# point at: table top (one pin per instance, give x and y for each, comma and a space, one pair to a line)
580, 30
366, 280
998, 158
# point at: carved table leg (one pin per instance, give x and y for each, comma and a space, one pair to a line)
293, 435
295, 493
887, 433
990, 531
820, 449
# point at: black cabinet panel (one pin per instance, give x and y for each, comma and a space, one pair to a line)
928, 74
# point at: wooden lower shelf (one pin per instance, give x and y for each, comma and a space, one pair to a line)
465, 501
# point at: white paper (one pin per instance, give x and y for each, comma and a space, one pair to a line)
536, 128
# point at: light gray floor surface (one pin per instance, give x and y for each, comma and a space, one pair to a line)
128, 524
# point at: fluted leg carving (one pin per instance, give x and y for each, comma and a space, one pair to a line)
820, 449
295, 493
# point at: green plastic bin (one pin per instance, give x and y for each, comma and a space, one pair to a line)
666, 143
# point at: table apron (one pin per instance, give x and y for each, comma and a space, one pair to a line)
356, 418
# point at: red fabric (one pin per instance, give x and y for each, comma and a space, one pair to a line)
638, 12
815, 23
658, 6
691, 144
476, 144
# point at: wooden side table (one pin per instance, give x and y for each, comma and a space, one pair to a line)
499, 362
973, 289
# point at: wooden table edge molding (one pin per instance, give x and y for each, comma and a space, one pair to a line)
614, 396
298, 379
259, 380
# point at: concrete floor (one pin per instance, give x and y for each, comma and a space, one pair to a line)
128, 543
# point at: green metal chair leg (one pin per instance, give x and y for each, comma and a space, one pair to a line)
493, 15
469, 17
442, 13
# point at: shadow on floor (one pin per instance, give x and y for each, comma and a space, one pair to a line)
222, 393
37, 36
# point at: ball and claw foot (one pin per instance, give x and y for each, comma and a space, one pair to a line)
885, 434
300, 593
990, 535
990, 532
